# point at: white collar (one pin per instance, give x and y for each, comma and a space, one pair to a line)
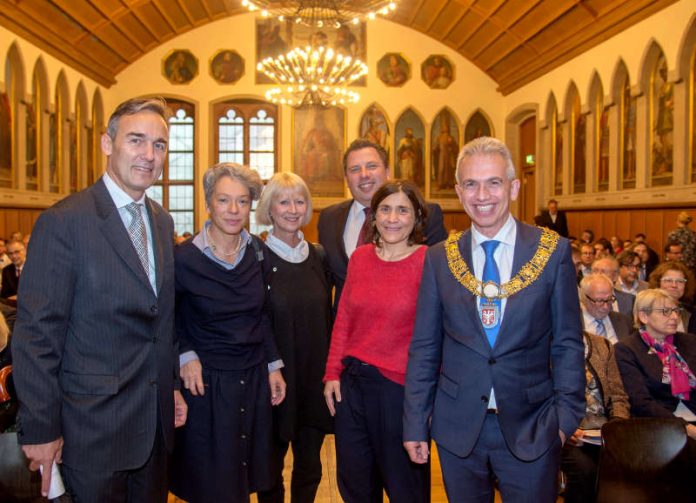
118, 195
293, 255
505, 235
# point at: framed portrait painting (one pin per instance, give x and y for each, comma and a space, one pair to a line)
318, 144
180, 66
226, 66
393, 69
437, 72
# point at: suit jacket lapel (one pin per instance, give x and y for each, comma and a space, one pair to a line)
115, 232
525, 247
343, 219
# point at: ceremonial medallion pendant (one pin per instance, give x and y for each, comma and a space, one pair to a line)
490, 313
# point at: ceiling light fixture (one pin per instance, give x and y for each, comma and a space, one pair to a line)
312, 76
322, 13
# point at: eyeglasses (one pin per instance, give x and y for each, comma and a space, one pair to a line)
630, 266
673, 281
599, 302
666, 311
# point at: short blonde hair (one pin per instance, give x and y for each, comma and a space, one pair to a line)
646, 299
276, 186
243, 174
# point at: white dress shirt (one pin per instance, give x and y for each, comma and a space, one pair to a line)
356, 219
121, 200
590, 326
504, 255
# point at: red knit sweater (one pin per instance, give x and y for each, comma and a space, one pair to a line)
376, 313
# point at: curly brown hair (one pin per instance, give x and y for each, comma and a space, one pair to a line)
656, 277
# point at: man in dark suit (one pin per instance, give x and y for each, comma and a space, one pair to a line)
495, 374
11, 273
609, 266
366, 168
553, 219
596, 300
95, 358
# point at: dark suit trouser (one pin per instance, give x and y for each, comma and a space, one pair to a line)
580, 463
369, 449
469, 479
306, 467
147, 484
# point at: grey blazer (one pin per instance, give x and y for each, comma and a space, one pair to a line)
94, 347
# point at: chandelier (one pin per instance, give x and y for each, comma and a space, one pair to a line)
312, 76
322, 13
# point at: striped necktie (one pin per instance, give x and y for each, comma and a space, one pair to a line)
600, 329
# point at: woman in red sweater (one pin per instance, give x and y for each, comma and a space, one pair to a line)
366, 367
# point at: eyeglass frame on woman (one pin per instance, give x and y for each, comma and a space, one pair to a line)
674, 281
666, 311
599, 302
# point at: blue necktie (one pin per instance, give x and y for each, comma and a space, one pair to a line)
490, 273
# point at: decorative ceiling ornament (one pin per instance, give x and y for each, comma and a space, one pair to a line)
322, 13
312, 76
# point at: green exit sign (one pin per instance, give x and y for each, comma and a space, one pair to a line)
529, 159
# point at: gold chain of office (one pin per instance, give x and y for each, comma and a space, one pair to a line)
527, 275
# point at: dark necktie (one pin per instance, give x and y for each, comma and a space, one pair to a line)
365, 227
490, 308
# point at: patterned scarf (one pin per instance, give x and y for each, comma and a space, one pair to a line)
675, 370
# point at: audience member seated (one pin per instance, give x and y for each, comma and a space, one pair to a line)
609, 266
587, 236
629, 265
678, 281
673, 252
616, 244
11, 273
648, 262
657, 362
596, 301
606, 401
603, 248
587, 256
4, 258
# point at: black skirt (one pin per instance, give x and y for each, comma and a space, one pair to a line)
222, 453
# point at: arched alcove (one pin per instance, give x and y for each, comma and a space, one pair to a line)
409, 147
58, 176
599, 137
576, 129
444, 147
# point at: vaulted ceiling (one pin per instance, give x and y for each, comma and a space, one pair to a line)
513, 41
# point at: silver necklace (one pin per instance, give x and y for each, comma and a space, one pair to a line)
214, 247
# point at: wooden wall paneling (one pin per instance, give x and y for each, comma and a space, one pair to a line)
623, 225
655, 229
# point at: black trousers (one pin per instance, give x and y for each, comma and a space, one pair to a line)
369, 451
306, 467
580, 466
148, 483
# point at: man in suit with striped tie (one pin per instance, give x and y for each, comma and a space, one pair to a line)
95, 356
495, 373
